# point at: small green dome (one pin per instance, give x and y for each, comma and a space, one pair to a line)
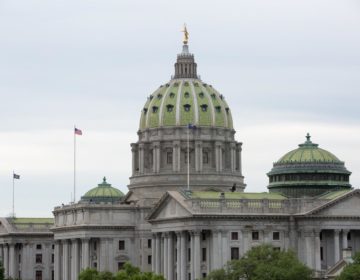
104, 192
183, 101
307, 153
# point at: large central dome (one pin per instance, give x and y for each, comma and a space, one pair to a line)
185, 99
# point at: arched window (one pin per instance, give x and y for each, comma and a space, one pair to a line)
187, 107
213, 95
159, 96
169, 157
186, 95
145, 110
201, 95
172, 95
170, 107
203, 107
218, 109
205, 157
155, 109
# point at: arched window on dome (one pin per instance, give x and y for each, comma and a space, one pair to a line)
227, 110
170, 108
201, 95
187, 107
159, 96
213, 96
218, 109
172, 95
155, 109
186, 95
145, 110
203, 107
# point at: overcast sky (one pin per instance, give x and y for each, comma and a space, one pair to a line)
285, 68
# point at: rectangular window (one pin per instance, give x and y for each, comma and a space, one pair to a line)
277, 249
205, 158
38, 258
121, 245
234, 253
189, 255
52, 258
120, 265
349, 236
19, 258
276, 235
321, 253
234, 235
189, 276
204, 254
149, 243
95, 245
53, 246
52, 275
38, 246
38, 275
204, 275
149, 259
169, 157
203, 236
255, 235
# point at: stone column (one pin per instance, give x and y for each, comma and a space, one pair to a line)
345, 244
336, 245
215, 264
141, 158
85, 253
74, 259
157, 258
57, 260
239, 154
317, 250
233, 157
65, 262
165, 254
133, 160
225, 247
158, 157
293, 234
266, 233
198, 156
153, 253
2, 254
197, 257
178, 255
175, 155
12, 261
309, 244
170, 257
184, 261
6, 260
217, 156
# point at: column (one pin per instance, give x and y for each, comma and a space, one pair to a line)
197, 257
170, 257
225, 247
157, 258
2, 254
336, 245
57, 260
345, 244
158, 157
12, 264
266, 233
215, 254
65, 262
233, 157
239, 153
6, 260
141, 158
217, 156
293, 234
75, 266
220, 247
85, 253
309, 248
198, 156
175, 155
165, 254
133, 154
317, 250
184, 261
153, 253
178, 255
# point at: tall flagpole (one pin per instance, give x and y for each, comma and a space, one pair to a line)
13, 198
74, 164
188, 158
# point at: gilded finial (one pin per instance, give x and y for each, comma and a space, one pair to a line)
186, 35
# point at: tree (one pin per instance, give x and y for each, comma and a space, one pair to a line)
2, 272
264, 263
89, 274
351, 271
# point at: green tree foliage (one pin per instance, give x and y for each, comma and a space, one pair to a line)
2, 272
129, 272
351, 271
264, 263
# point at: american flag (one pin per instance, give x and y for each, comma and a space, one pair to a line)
16, 176
78, 131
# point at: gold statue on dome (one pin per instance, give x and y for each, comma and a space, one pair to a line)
186, 35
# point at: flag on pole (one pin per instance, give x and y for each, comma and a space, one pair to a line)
78, 131
191, 126
16, 176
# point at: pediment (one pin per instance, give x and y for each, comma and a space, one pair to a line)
169, 207
346, 205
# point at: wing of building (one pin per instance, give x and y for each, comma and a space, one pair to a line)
186, 212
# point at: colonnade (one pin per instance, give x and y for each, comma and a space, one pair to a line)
140, 152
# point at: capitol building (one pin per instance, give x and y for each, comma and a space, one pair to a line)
188, 211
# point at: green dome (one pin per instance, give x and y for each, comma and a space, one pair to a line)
307, 153
104, 192
184, 101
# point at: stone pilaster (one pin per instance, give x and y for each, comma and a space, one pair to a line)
133, 158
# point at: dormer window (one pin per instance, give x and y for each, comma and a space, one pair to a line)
218, 109
186, 95
221, 96
151, 97
170, 107
203, 107
227, 110
155, 109
187, 107
159, 96
145, 110
213, 96
172, 95
201, 95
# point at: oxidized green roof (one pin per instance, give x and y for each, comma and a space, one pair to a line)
334, 194
308, 153
184, 101
103, 191
236, 195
